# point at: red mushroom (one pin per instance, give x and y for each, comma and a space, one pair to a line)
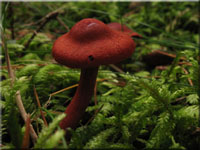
89, 44
123, 28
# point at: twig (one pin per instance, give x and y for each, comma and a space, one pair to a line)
52, 94
95, 114
24, 115
46, 19
19, 66
157, 77
185, 63
62, 23
197, 131
116, 68
179, 100
21, 106
161, 67
67, 88
70, 87
42, 19
52, 112
7, 57
18, 96
26, 138
189, 80
39, 105
167, 54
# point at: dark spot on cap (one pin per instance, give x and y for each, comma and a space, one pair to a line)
91, 58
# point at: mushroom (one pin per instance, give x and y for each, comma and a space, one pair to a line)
89, 44
123, 28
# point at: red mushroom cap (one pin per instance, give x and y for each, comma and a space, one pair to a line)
91, 43
123, 28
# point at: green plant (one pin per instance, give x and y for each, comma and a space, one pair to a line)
145, 108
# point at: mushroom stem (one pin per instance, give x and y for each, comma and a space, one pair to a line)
81, 99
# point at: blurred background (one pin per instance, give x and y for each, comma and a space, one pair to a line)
150, 100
